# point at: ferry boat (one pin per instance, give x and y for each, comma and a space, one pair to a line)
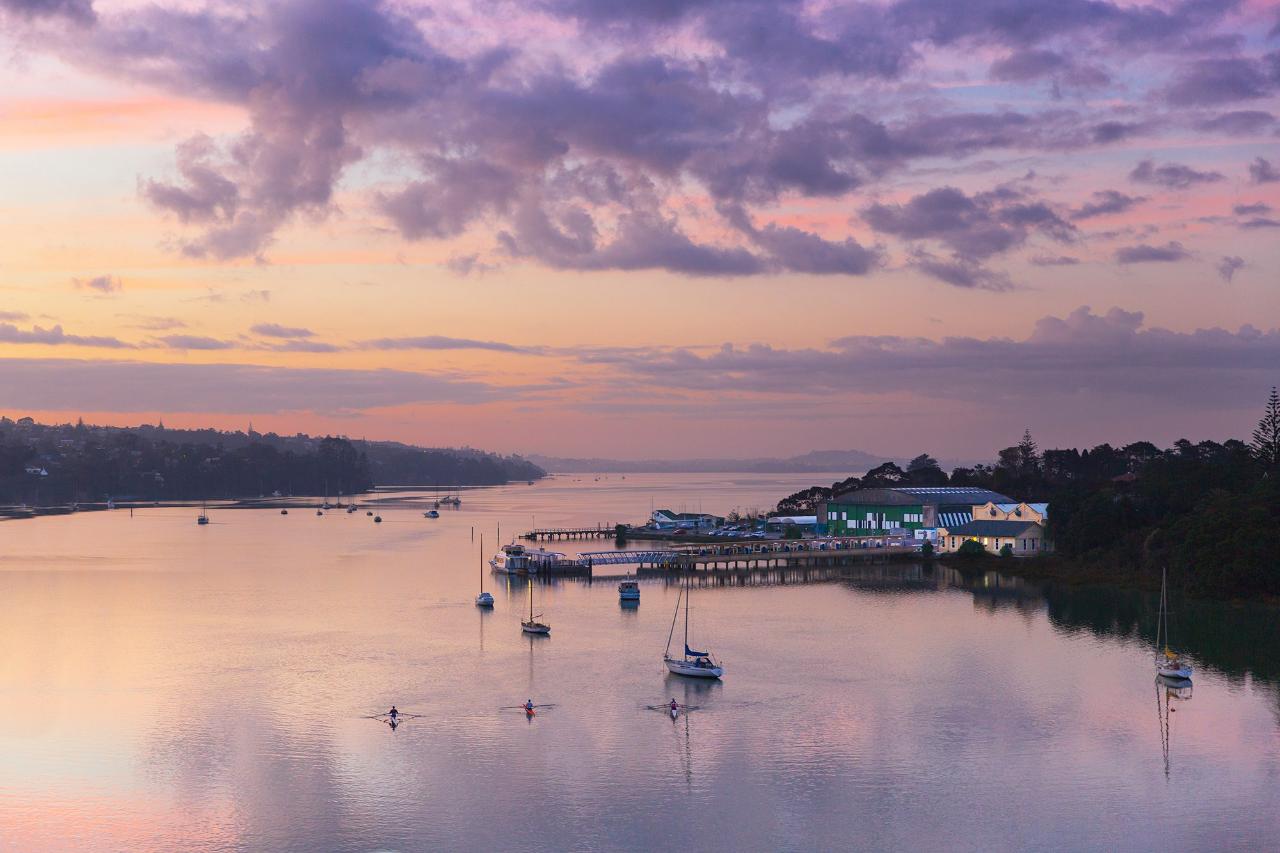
628, 591
519, 560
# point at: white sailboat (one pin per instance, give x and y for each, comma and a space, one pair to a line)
484, 599
203, 518
1168, 663
532, 625
693, 663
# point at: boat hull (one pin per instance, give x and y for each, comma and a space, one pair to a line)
535, 628
1177, 673
484, 599
629, 596
692, 670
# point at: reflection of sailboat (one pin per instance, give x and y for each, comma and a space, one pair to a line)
1168, 689
1168, 663
484, 599
532, 625
693, 663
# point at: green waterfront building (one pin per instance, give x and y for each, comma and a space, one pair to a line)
875, 512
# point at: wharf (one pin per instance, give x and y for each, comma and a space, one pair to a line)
776, 554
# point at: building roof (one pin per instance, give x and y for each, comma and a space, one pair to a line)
954, 519
689, 516
792, 519
1006, 529
912, 495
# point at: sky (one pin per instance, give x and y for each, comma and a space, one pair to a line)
652, 228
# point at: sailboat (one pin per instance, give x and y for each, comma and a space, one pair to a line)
532, 625
484, 599
1168, 663
694, 663
203, 518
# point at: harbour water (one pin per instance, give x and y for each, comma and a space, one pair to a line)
168, 686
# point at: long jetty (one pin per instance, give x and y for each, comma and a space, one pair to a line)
777, 554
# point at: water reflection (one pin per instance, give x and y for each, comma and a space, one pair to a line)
1169, 691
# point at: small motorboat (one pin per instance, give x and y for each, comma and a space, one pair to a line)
319, 512
628, 591
377, 519
284, 512
484, 599
431, 513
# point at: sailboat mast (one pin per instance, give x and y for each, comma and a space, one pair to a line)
1164, 579
686, 617
482, 562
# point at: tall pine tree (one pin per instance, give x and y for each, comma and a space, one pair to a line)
1266, 438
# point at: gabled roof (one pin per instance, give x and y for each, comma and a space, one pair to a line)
1005, 529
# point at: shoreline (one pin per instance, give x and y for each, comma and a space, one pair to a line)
1055, 569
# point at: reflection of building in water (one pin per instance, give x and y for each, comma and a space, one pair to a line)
1169, 692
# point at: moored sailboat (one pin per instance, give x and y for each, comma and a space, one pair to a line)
484, 599
694, 664
534, 625
1169, 664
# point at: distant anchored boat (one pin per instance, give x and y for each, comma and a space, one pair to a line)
628, 591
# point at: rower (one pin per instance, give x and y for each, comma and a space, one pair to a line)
528, 706
393, 713
675, 706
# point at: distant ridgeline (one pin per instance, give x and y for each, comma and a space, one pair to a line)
1210, 512
48, 465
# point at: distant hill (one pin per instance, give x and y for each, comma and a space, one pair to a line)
852, 461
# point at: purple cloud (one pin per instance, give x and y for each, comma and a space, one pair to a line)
1174, 176
1228, 266
275, 330
1054, 260
961, 272
79, 11
744, 104
1209, 82
1106, 202
1262, 172
1145, 254
974, 227
103, 284
1238, 122
441, 342
11, 334
197, 342
66, 384
1112, 356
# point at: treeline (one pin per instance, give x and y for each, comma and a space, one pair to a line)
1208, 511
47, 465
397, 464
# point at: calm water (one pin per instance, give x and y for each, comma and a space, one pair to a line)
165, 686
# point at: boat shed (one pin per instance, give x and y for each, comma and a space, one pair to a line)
875, 512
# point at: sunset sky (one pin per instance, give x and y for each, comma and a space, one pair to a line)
652, 228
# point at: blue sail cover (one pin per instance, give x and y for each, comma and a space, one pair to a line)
691, 653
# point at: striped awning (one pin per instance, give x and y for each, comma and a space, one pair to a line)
951, 520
